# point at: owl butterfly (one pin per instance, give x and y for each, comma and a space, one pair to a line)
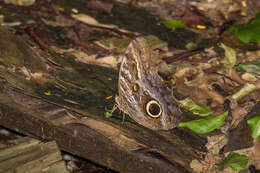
142, 93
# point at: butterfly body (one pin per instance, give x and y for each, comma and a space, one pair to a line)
142, 93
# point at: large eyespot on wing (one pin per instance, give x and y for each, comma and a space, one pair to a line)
153, 109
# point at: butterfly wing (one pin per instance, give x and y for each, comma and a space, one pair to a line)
142, 93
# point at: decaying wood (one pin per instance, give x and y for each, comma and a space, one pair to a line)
89, 138
30, 155
68, 107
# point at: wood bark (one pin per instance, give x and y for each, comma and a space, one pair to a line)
30, 155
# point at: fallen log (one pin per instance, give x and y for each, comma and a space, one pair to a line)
68, 106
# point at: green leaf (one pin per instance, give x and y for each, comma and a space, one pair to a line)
201, 110
248, 33
254, 124
250, 67
109, 113
230, 56
154, 42
206, 125
191, 46
235, 161
171, 24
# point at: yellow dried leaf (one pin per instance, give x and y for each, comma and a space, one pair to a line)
48, 93
109, 97
230, 56
243, 3
74, 10
20, 2
201, 27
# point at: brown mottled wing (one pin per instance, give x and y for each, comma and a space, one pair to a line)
140, 83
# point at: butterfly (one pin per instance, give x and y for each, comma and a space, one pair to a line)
142, 93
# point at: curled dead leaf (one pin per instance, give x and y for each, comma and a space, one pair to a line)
249, 77
235, 76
